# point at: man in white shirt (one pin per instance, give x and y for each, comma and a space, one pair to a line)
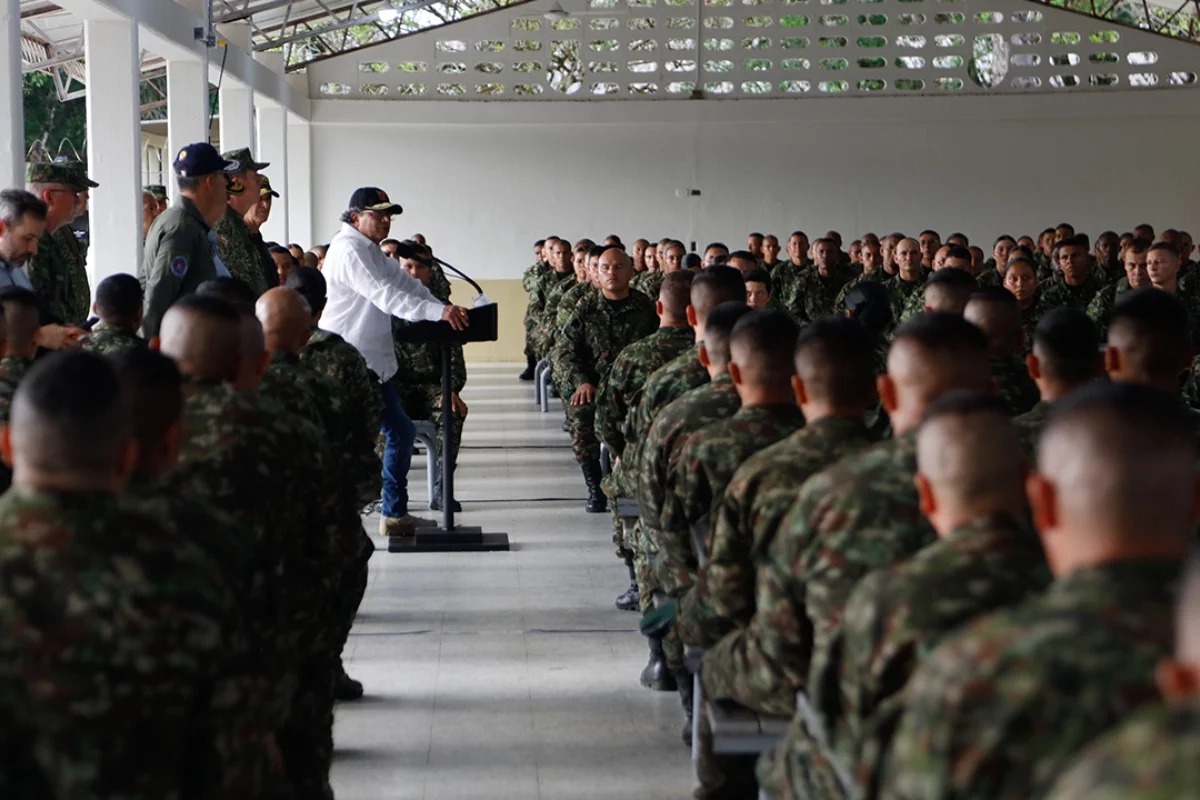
365, 290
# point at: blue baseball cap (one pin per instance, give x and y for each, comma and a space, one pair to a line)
202, 158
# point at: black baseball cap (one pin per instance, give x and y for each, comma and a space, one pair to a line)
372, 199
202, 158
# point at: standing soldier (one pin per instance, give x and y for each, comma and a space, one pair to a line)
79, 295
242, 256
591, 339
51, 269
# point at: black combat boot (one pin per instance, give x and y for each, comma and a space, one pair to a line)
687, 688
656, 676
345, 687
631, 599
597, 501
527, 375
436, 503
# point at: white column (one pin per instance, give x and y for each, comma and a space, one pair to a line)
236, 102
12, 129
114, 138
273, 149
187, 106
299, 183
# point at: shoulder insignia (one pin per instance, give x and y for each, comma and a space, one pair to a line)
179, 266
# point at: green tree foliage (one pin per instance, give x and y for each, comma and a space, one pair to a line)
49, 121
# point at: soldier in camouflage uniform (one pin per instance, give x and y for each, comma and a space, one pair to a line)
1066, 356
21, 325
330, 355
998, 315
1148, 341
57, 272
621, 391
119, 307
531, 282
1136, 277
872, 270
246, 454
418, 380
1077, 283
994, 267
909, 279
650, 282
861, 514
75, 250
548, 289
549, 326
1020, 278
245, 258
1152, 754
958, 258
835, 383
91, 586
970, 474
591, 340
814, 293
1000, 708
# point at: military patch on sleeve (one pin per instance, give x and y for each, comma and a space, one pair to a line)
179, 266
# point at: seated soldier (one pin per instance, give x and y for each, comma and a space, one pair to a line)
716, 400
129, 671
119, 307
1066, 356
545, 292
758, 289
815, 291
930, 242
947, 291
1162, 266
638, 255
887, 252
998, 315
1136, 277
592, 338
716, 255
860, 515
770, 253
743, 261
970, 479
1108, 255
754, 244
1148, 340
1077, 283
855, 254
1020, 278
870, 259
285, 262
1154, 752
20, 307
1001, 707
1144, 231
418, 382
834, 385
621, 391
909, 278
993, 271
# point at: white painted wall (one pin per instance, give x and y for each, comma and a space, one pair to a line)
483, 181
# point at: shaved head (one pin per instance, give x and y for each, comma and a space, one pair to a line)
932, 354
285, 318
719, 329
1148, 339
969, 452
997, 313
713, 286
835, 359
763, 345
203, 335
949, 289
676, 293
1122, 459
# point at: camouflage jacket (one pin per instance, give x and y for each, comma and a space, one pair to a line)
533, 274
621, 389
876, 275
1150, 756
812, 295
897, 615
547, 293
439, 284
79, 292
1016, 387
715, 400
240, 254
999, 709
902, 292
50, 275
560, 304
649, 282
596, 333
1101, 307
990, 275
1029, 427
569, 304
535, 282
706, 463
1058, 294
783, 281
266, 264
751, 508
108, 339
125, 670
420, 363
12, 370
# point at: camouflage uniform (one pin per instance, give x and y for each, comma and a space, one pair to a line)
79, 292
108, 339
590, 341
783, 281
50, 274
250, 457
1030, 317
240, 254
861, 514
1058, 294
1101, 307
532, 282
127, 671
418, 381
876, 275
1029, 427
990, 275
1016, 387
747, 517
902, 292
898, 614
266, 264
999, 710
812, 295
12, 370
649, 282
1150, 756
439, 284
556, 285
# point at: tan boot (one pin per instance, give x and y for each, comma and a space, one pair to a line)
403, 526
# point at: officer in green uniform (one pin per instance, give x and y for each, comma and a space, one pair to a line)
58, 265
180, 252
244, 257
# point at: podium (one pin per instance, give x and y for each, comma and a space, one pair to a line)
483, 327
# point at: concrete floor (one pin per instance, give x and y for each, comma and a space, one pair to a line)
506, 676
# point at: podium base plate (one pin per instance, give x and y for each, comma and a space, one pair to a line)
463, 539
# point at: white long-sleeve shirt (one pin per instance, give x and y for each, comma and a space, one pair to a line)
365, 289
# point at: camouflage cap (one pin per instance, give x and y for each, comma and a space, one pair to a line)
79, 172
155, 190
244, 157
63, 172
265, 189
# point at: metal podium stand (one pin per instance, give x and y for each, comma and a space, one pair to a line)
483, 327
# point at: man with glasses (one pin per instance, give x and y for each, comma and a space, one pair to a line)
243, 256
180, 252
51, 270
365, 290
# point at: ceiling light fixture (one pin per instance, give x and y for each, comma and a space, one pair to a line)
388, 14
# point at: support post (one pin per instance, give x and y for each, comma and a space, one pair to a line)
187, 106
112, 54
237, 101
299, 183
12, 129
273, 149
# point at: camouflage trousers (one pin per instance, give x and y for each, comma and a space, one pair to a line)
531, 325
799, 768
581, 424
697, 621
424, 402
350, 595
306, 738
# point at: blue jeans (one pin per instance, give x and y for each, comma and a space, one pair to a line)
399, 434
